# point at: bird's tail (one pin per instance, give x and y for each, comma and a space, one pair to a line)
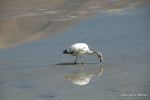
65, 51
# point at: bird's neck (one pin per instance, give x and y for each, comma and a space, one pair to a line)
96, 52
90, 52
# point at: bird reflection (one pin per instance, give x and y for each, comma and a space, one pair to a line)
83, 78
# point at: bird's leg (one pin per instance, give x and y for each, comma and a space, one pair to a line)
81, 59
76, 60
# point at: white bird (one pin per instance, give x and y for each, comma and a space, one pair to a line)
79, 49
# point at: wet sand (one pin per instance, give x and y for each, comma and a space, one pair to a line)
26, 21
37, 70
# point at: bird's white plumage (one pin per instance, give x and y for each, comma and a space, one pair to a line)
79, 48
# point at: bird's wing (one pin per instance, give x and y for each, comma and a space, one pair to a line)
75, 50
79, 48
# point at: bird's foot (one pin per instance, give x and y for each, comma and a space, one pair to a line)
82, 63
75, 63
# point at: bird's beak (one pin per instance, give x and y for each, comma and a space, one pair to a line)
101, 59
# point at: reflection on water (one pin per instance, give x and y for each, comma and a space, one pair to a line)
25, 21
82, 77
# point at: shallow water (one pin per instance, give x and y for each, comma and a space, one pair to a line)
37, 70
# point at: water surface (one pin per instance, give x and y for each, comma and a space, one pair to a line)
36, 70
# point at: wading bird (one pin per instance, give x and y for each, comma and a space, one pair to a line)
79, 49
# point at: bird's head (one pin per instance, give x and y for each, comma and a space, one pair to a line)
99, 55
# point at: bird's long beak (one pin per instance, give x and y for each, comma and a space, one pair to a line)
101, 59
